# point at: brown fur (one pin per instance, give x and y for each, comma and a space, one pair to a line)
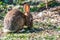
14, 20
29, 21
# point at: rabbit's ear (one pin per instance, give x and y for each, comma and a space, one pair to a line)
26, 8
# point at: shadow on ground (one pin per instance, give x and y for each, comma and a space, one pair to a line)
33, 30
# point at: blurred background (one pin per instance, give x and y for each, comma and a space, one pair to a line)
46, 19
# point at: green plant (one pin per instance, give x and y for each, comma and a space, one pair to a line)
1, 2
34, 9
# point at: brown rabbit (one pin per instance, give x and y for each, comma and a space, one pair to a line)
15, 20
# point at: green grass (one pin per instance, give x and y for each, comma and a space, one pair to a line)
15, 36
28, 36
38, 35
